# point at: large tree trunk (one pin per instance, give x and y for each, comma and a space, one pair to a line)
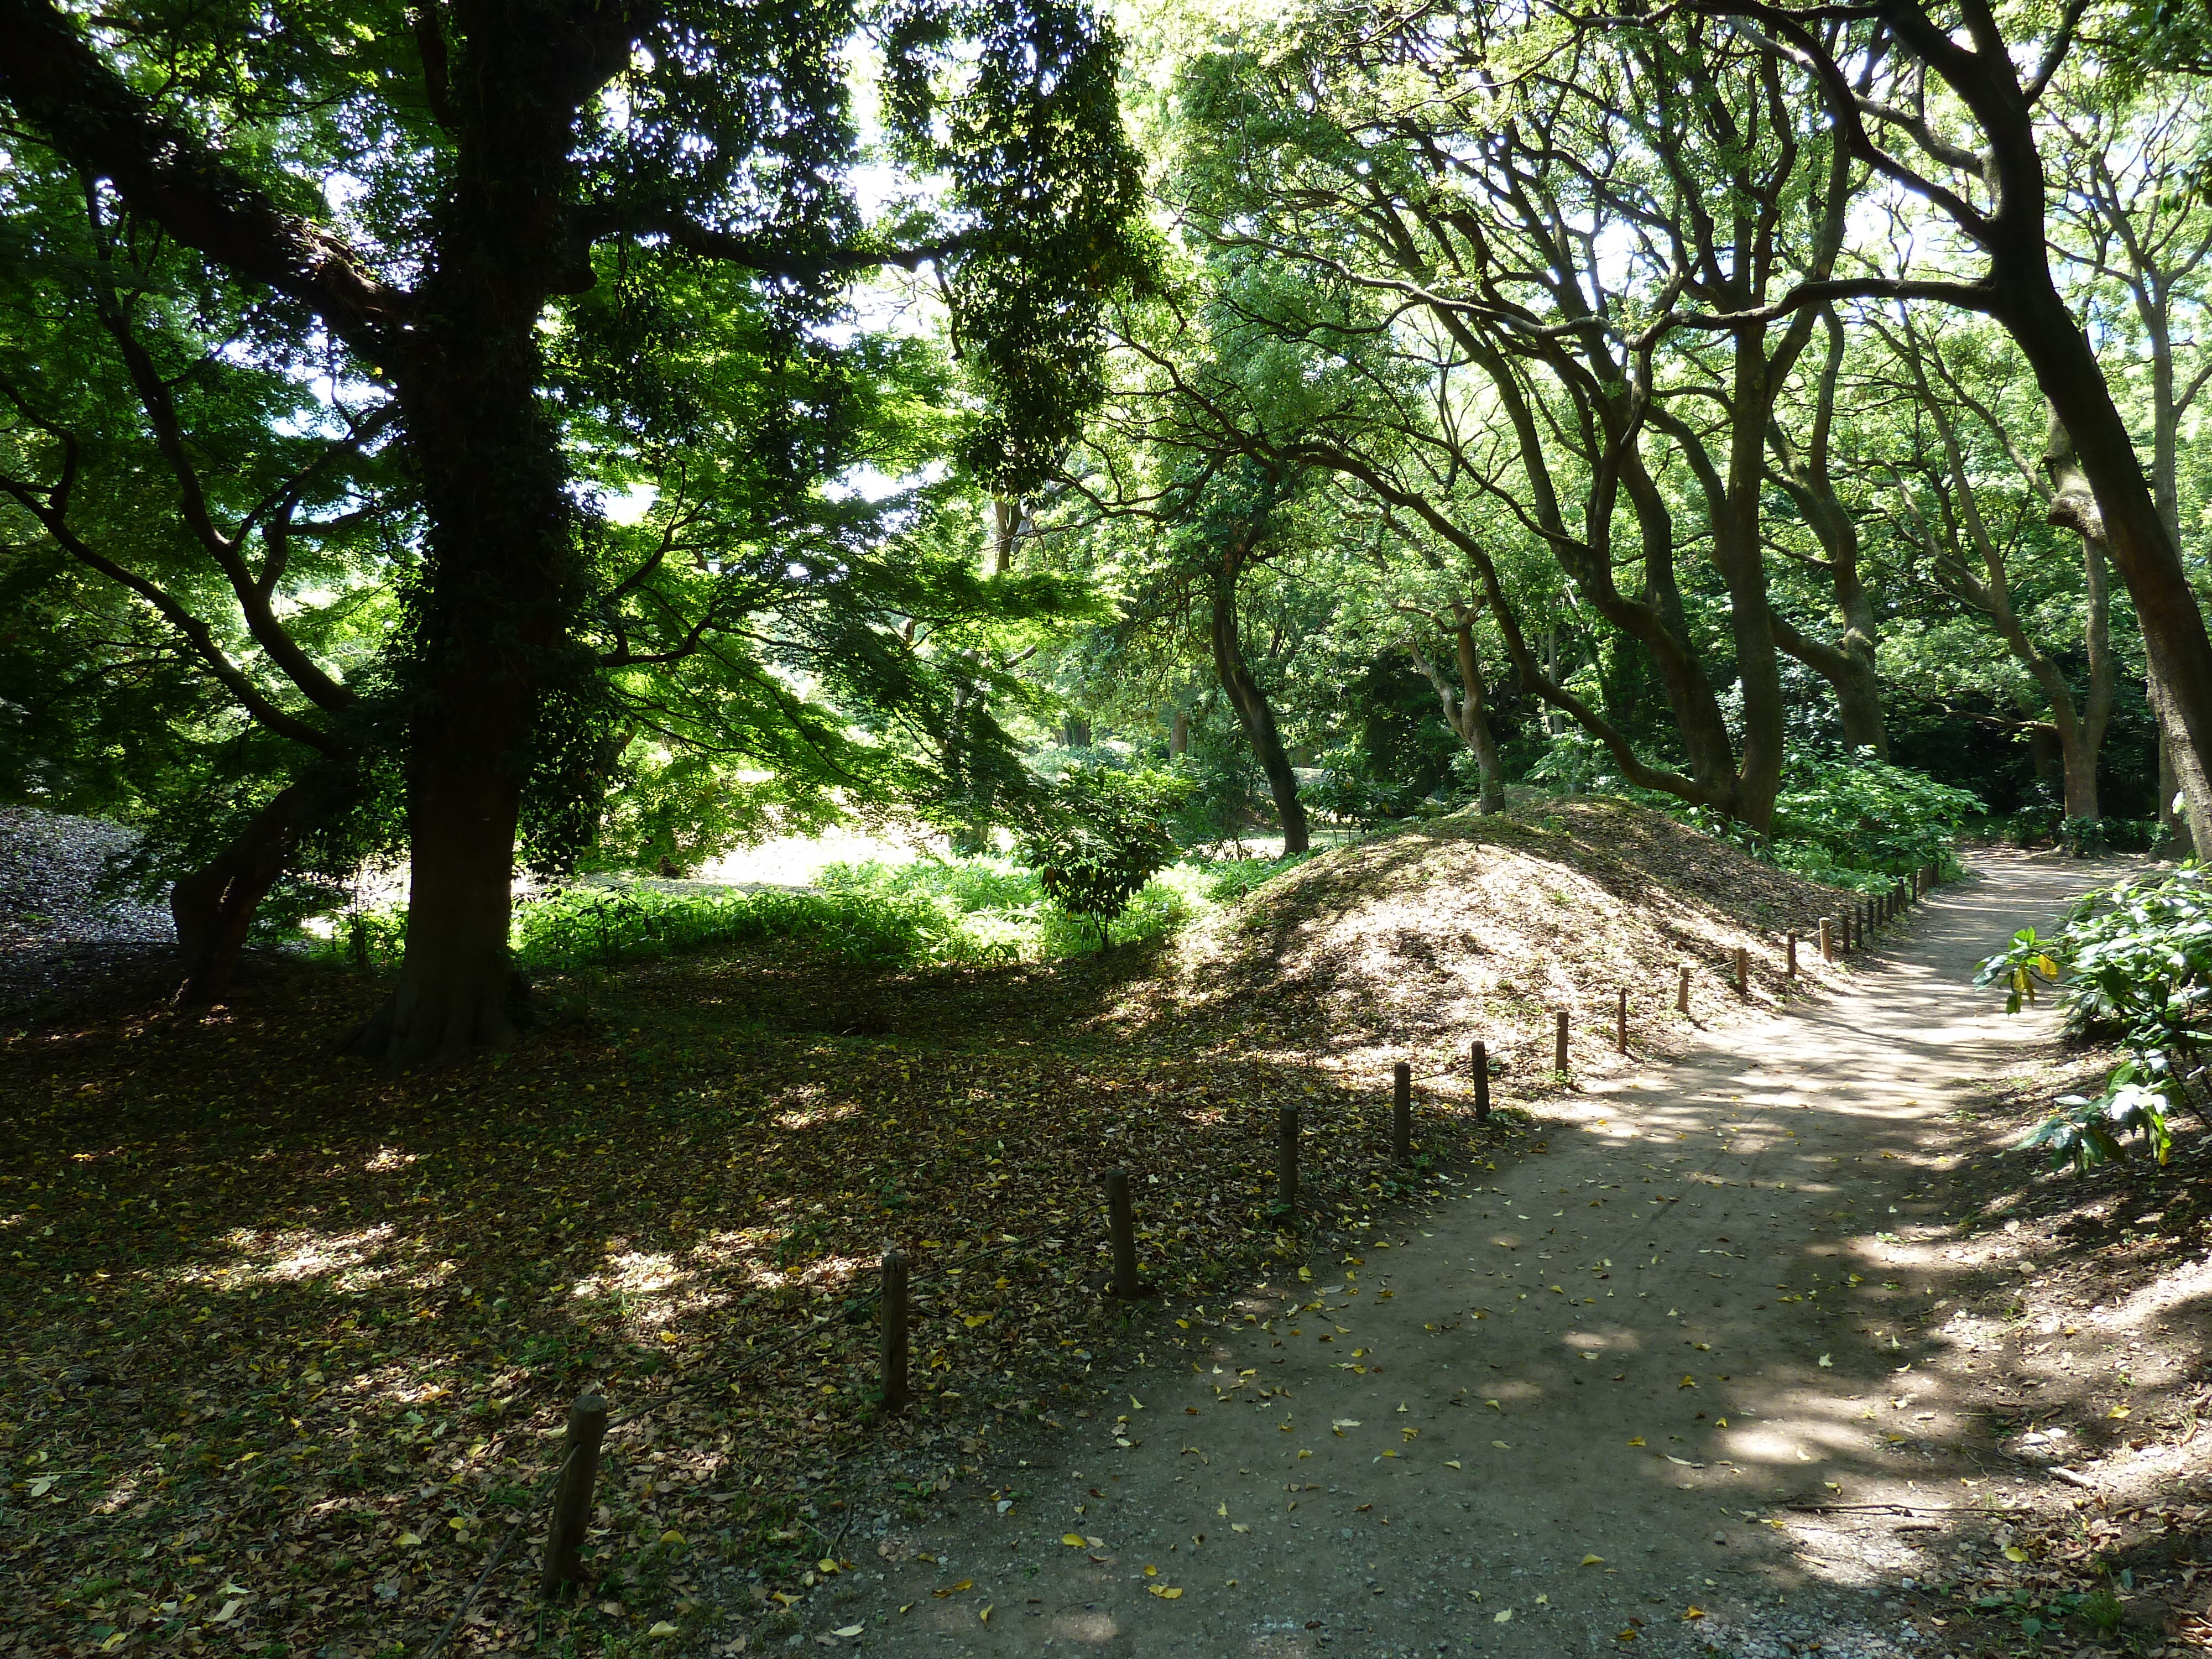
214, 906
490, 641
1253, 711
2175, 643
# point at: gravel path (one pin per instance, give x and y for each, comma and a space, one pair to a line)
57, 942
1580, 1409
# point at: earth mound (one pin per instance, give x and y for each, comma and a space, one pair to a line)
1412, 944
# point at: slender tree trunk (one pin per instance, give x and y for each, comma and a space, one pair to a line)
1742, 564
1250, 704
1179, 734
1474, 721
2074, 506
1464, 709
214, 906
1851, 673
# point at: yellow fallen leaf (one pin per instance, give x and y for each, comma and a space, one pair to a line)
408, 1538
1222, 1510
1504, 1618
661, 1631
673, 1536
1593, 1560
850, 1631
1687, 1382
1636, 1440
1501, 1445
2013, 1553
1166, 1592
459, 1522
1628, 1635
1451, 1462
1825, 1361
825, 1564
984, 1615
2117, 1410
1152, 1571
1694, 1612
1072, 1540
1238, 1526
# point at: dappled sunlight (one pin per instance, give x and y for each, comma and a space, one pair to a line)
351, 1261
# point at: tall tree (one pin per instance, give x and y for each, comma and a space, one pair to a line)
1941, 104
483, 161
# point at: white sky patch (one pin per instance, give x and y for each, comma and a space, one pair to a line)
631, 505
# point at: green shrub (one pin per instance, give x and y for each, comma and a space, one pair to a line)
1349, 791
1852, 813
2133, 961
986, 909
1099, 835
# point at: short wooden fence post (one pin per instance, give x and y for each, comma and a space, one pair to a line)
1620, 1022
1286, 1158
572, 1504
1121, 1234
1479, 1060
1742, 971
1402, 1112
894, 1314
1789, 969
1559, 1044
1827, 938
1682, 989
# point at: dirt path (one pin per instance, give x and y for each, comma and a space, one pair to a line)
1561, 1411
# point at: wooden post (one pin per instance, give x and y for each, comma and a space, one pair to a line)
1620, 1022
1121, 1234
1827, 938
1742, 971
1559, 1045
1790, 970
572, 1504
1402, 1112
1286, 1158
894, 1310
1480, 1060
1682, 990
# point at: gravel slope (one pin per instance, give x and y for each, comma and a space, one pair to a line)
57, 940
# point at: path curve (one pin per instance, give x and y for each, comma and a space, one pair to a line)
1415, 1451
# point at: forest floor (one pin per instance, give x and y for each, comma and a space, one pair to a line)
290, 1342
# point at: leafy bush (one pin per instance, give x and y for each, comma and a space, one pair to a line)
1099, 835
1348, 791
1845, 820
1233, 879
1851, 812
585, 925
2133, 961
985, 909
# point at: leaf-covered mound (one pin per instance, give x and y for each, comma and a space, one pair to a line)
1419, 941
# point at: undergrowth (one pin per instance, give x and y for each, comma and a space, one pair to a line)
984, 909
